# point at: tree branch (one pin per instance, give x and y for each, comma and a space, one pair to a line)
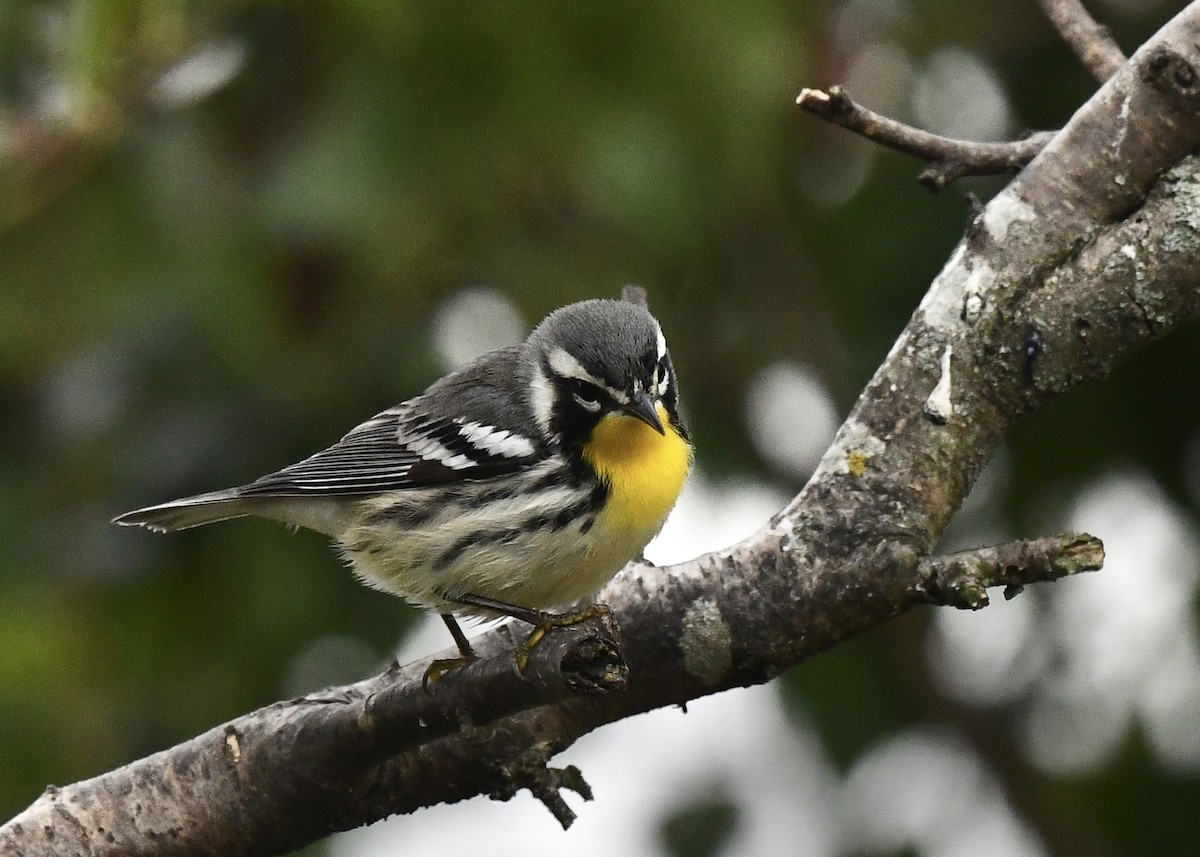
1092, 251
1090, 41
948, 159
962, 579
206, 796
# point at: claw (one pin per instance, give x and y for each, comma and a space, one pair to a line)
547, 622
438, 668
543, 624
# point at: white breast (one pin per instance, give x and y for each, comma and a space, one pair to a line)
490, 549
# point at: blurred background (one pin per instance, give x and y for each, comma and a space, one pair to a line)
231, 231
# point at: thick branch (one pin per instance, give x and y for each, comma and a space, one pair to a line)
263, 783
1092, 251
948, 159
1090, 41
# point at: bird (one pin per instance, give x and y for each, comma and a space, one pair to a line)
516, 485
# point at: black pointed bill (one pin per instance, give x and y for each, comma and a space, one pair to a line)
645, 408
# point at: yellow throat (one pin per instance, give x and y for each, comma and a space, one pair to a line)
645, 470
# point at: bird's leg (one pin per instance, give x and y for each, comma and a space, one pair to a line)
442, 666
543, 623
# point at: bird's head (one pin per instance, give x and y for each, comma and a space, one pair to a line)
598, 361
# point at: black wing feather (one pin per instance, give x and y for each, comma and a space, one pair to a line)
390, 451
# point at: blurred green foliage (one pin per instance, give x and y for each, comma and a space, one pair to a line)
192, 294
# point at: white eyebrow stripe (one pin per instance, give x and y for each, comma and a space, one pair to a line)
662, 340
564, 365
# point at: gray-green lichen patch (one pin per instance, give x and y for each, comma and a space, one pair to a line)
852, 450
706, 642
1005, 210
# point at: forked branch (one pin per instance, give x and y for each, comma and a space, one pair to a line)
948, 159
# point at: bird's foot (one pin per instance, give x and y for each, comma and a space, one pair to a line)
547, 622
438, 668
441, 666
543, 623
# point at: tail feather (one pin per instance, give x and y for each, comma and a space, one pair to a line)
187, 512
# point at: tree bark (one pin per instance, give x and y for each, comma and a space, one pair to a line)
1092, 251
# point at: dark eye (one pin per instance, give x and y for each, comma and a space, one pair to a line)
661, 373
585, 394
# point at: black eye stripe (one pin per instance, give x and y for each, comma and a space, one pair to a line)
586, 391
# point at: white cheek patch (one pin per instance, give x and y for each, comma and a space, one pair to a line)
496, 441
662, 374
541, 399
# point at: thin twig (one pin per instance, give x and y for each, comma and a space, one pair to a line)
962, 579
1090, 41
948, 159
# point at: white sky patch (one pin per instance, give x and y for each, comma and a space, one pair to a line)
1125, 638
790, 417
880, 73
987, 657
958, 94
929, 793
475, 321
835, 176
201, 74
1094, 656
712, 516
1170, 709
939, 407
84, 394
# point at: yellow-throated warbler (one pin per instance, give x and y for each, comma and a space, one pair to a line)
519, 483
